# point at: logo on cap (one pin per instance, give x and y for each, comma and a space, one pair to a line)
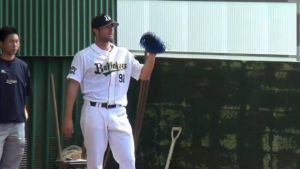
107, 18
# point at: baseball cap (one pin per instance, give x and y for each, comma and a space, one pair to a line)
103, 20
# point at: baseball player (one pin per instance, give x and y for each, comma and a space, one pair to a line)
103, 72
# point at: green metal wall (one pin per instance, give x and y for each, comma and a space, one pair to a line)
41, 133
53, 27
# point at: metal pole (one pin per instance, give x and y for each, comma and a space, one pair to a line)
56, 118
144, 88
298, 30
298, 27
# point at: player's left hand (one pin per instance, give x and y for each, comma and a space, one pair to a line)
68, 128
152, 43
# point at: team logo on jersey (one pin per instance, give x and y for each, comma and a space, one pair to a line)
3, 71
109, 67
8, 81
72, 70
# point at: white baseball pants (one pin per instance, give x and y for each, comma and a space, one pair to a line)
100, 126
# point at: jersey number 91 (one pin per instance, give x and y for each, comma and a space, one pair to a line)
121, 78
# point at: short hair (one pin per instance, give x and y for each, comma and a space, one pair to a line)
7, 30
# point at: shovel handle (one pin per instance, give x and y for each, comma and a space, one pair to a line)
176, 129
174, 138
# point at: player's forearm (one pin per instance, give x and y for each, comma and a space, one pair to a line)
148, 67
70, 98
69, 109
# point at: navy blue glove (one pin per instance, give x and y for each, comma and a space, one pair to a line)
152, 43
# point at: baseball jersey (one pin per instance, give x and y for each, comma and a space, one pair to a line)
15, 85
104, 76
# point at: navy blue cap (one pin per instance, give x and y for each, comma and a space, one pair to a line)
103, 20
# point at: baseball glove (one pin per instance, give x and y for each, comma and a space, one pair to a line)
152, 43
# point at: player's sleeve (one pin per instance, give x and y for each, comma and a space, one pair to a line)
76, 68
136, 67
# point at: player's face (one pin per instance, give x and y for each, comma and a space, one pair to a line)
11, 44
106, 33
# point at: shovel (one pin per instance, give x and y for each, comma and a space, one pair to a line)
174, 138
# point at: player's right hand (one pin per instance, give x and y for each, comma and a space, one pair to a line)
68, 127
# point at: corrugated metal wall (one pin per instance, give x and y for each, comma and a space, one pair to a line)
53, 27
42, 138
51, 32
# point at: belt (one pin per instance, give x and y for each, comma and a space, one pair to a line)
104, 105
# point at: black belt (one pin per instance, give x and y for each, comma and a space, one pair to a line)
104, 105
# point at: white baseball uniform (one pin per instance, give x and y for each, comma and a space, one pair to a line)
104, 80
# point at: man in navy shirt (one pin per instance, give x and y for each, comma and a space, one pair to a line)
15, 85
